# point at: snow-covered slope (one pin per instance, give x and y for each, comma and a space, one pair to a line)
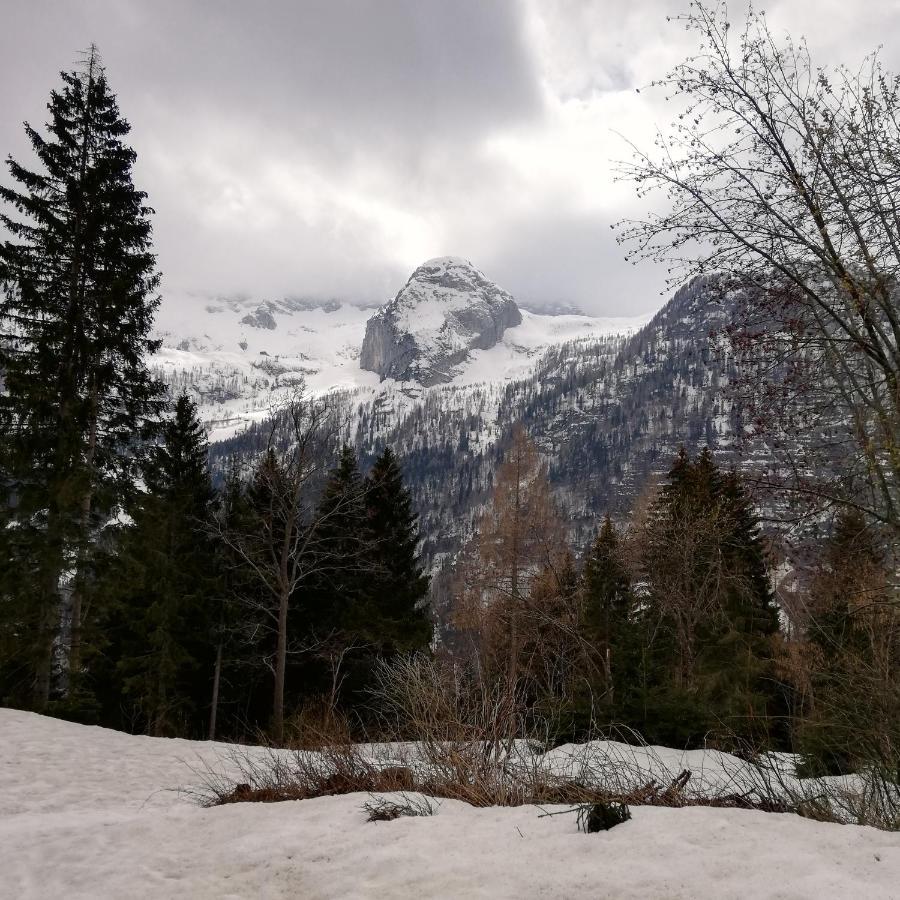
91, 813
238, 356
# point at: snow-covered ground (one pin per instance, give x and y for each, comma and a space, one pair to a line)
87, 812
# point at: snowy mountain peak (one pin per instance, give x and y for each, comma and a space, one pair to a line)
447, 309
447, 262
448, 281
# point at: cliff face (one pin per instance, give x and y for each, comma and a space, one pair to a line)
446, 309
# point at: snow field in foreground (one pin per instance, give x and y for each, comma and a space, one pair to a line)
86, 812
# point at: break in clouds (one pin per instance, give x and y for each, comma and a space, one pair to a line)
326, 147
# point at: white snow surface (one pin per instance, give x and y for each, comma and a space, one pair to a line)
88, 812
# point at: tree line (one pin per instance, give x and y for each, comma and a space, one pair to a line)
673, 627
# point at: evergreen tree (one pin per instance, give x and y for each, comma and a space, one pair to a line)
77, 287
710, 610
232, 640
398, 585
251, 525
365, 598
18, 611
338, 600
745, 687
168, 603
607, 616
341, 594
851, 562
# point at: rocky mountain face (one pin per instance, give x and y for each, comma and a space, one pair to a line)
261, 317
446, 310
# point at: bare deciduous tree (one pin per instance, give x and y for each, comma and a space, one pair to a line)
781, 182
282, 543
519, 537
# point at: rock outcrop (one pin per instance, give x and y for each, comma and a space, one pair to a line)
426, 333
261, 317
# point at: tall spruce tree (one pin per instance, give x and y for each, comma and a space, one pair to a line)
169, 586
340, 595
398, 584
229, 642
607, 615
746, 690
711, 612
339, 603
852, 563
77, 300
365, 599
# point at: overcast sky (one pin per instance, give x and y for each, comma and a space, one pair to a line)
326, 147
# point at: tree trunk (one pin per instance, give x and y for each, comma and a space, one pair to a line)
84, 522
512, 673
78, 595
48, 624
77, 275
607, 672
159, 715
513, 663
47, 628
280, 664
214, 704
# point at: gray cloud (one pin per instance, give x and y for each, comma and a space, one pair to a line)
326, 147
571, 259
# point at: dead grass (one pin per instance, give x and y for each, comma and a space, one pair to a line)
386, 809
272, 776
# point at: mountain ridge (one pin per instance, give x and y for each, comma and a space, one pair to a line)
226, 355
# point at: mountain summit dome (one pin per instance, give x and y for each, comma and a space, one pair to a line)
446, 309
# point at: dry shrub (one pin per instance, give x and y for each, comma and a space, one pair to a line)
386, 809
317, 724
463, 752
300, 775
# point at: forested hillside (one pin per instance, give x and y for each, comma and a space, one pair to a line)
608, 413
